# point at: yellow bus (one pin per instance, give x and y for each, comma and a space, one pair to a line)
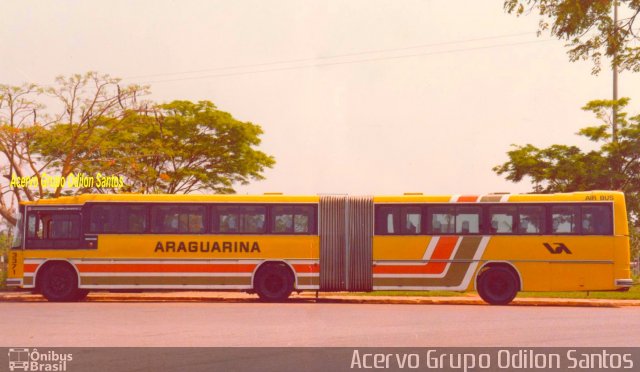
272, 245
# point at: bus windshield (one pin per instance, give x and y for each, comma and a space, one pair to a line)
17, 238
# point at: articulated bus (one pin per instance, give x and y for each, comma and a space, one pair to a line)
272, 245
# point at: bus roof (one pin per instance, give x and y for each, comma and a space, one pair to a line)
175, 198
611, 196
597, 195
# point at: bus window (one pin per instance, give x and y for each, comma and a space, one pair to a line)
47, 225
64, 226
564, 219
117, 218
53, 229
34, 227
502, 219
390, 223
468, 220
169, 219
293, 219
442, 220
253, 222
239, 219
103, 218
134, 219
387, 218
412, 220
596, 220
17, 238
530, 220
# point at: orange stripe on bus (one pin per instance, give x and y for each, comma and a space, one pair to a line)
467, 198
306, 268
146, 268
167, 268
445, 247
443, 251
30, 268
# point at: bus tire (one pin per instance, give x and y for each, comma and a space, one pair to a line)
273, 282
498, 285
81, 294
59, 282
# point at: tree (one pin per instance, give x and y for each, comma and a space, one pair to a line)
82, 101
89, 103
562, 168
99, 127
178, 147
18, 110
589, 28
615, 165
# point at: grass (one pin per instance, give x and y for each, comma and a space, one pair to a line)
632, 294
411, 293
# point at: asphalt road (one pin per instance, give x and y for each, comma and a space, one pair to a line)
312, 324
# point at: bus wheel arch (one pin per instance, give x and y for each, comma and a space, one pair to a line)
58, 281
274, 281
498, 282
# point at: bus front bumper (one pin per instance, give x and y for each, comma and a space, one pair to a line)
624, 283
13, 282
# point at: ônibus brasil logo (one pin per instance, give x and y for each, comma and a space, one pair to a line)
24, 359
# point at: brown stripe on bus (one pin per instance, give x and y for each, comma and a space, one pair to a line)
491, 198
309, 280
454, 276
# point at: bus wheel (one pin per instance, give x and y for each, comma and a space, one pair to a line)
273, 282
498, 285
81, 294
59, 283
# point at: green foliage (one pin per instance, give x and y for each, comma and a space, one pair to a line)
178, 147
5, 244
634, 238
632, 294
561, 168
100, 128
589, 28
558, 168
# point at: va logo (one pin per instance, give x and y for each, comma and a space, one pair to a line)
559, 248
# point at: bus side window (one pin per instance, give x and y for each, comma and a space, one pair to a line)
442, 220
564, 219
104, 218
246, 219
45, 226
177, 219
502, 219
597, 220
531, 219
468, 220
65, 226
412, 220
34, 226
387, 218
253, 220
134, 219
229, 222
53, 229
292, 219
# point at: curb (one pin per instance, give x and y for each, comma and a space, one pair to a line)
240, 297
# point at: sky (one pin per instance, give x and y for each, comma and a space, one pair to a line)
357, 97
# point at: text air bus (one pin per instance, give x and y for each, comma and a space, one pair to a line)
275, 244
